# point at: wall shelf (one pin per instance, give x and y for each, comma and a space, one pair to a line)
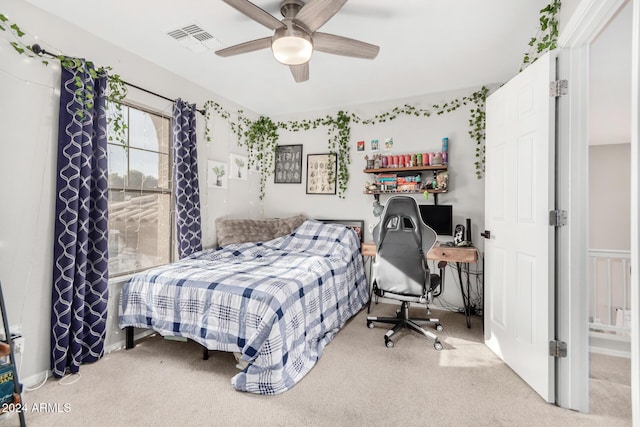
410, 169
404, 172
377, 192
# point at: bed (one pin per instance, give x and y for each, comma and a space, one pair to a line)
276, 304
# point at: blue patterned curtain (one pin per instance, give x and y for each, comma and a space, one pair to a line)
80, 259
186, 187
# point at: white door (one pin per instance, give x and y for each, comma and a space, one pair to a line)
519, 193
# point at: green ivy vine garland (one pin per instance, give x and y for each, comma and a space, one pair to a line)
116, 88
546, 38
260, 137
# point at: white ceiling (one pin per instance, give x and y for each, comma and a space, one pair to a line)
426, 46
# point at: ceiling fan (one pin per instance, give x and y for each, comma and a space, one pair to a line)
295, 37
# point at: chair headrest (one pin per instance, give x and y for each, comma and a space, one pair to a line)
407, 216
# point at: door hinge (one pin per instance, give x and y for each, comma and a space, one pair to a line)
558, 88
557, 218
557, 349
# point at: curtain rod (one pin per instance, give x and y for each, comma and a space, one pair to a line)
37, 49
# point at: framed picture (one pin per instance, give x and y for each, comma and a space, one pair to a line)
238, 167
321, 173
288, 164
217, 174
356, 224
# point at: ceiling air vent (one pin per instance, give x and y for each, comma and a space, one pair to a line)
193, 37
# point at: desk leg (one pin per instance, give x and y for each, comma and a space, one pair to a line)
466, 295
370, 260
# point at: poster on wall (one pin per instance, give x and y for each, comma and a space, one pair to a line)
288, 164
238, 167
321, 173
217, 174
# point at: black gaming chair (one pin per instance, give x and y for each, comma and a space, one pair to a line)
400, 270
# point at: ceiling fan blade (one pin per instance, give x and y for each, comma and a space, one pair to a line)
255, 13
300, 72
245, 47
316, 13
338, 45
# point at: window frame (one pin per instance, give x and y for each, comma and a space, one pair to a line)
170, 190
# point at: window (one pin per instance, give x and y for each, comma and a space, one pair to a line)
140, 194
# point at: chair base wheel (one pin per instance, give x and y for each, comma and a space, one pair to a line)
439, 327
437, 345
370, 324
388, 342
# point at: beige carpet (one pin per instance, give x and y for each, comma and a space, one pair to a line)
357, 382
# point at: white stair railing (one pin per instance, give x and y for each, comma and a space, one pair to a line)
609, 305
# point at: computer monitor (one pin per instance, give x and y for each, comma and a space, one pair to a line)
438, 217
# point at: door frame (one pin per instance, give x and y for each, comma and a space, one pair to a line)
572, 373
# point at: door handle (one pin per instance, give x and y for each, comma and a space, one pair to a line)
486, 234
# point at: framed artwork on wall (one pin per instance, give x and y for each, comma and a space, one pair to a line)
217, 174
288, 164
238, 168
321, 173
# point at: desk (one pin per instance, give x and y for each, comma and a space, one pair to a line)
438, 252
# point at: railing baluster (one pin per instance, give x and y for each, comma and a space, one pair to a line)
608, 286
609, 292
594, 289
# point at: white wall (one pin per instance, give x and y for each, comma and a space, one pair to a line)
28, 149
609, 203
410, 135
566, 11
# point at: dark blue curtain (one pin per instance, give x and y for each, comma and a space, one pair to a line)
80, 258
187, 190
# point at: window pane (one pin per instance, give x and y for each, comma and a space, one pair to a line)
140, 234
148, 169
117, 165
148, 131
139, 231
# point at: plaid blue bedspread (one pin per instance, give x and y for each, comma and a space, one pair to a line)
277, 303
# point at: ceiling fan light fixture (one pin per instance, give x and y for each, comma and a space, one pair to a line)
291, 46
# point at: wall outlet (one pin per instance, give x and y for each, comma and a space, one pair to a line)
18, 344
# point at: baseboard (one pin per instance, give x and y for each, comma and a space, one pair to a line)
610, 352
34, 381
118, 345
610, 345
